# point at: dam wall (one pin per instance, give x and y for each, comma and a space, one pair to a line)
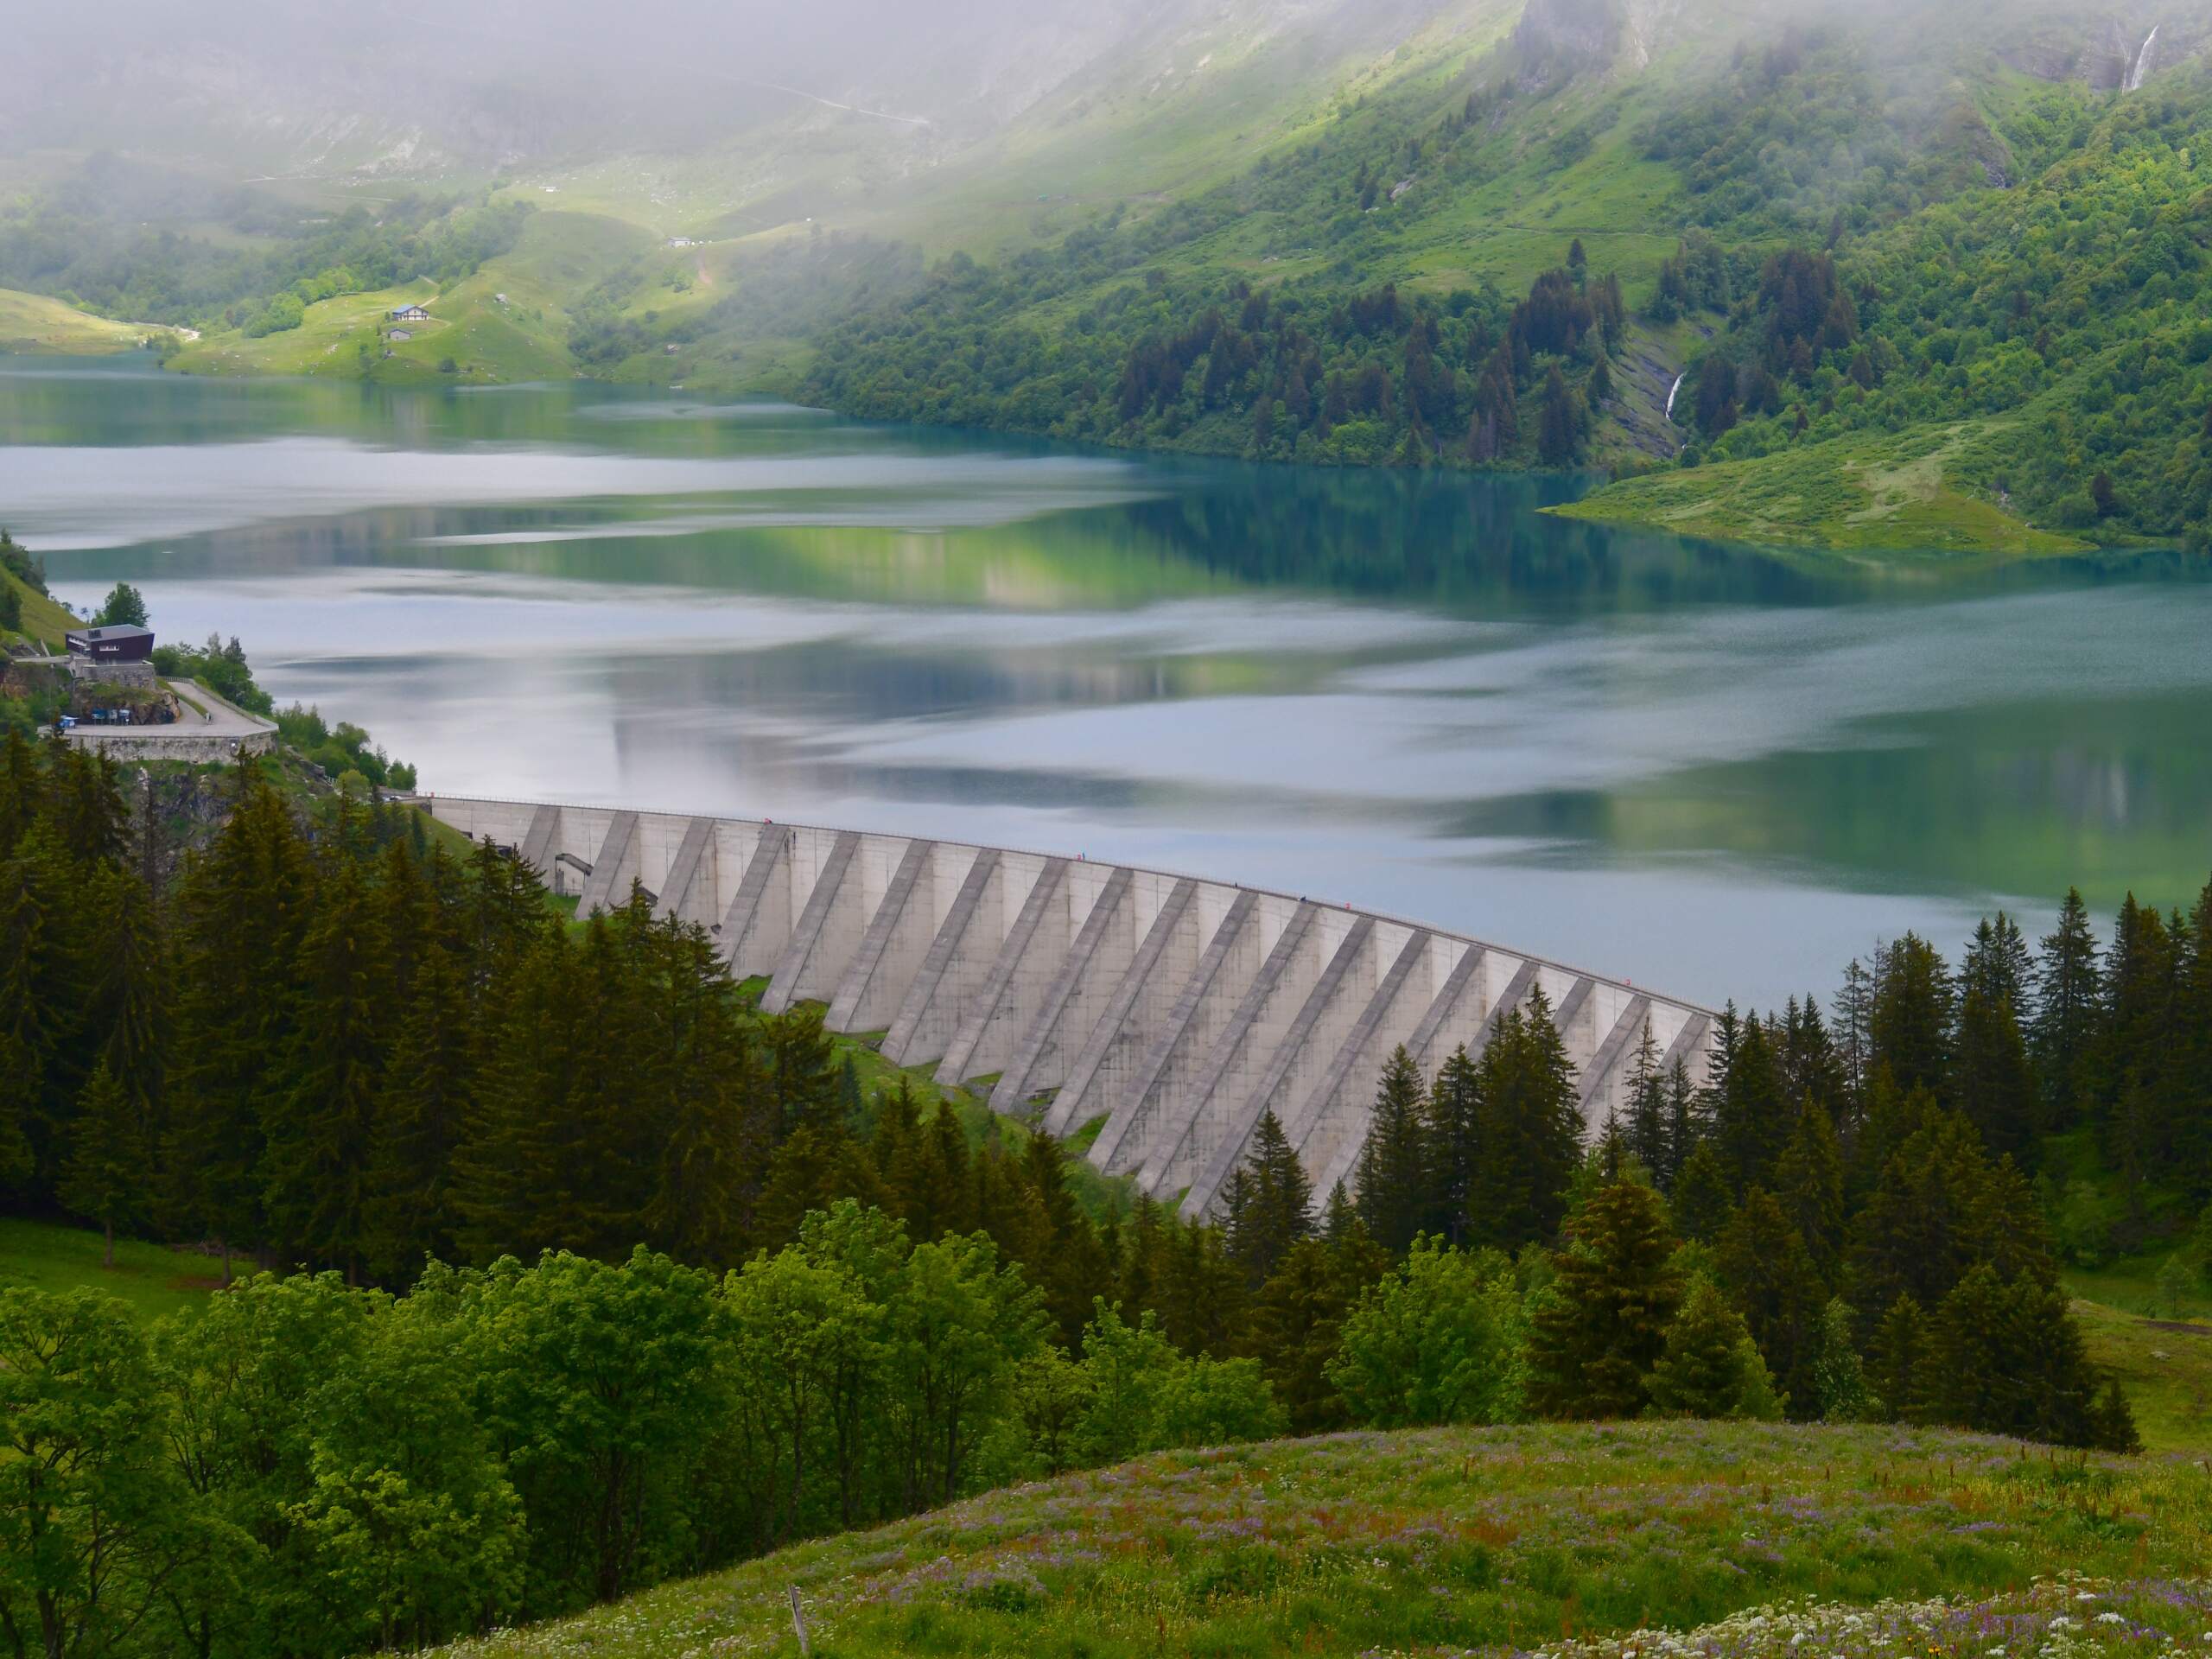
1168, 1009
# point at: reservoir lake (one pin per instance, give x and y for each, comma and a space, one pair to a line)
1718, 771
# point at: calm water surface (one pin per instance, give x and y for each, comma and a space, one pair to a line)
1715, 770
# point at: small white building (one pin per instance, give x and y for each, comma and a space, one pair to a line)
410, 314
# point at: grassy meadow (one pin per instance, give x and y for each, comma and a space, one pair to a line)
1569, 1540
1864, 492
35, 323
152, 1278
44, 619
507, 322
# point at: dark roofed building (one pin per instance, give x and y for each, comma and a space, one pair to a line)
410, 314
121, 642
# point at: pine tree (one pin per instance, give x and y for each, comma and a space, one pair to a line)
1070, 1264
1393, 1177
2070, 985
1926, 1222
1991, 1081
243, 908
1852, 1010
318, 1116
1531, 1130
1687, 1122
1703, 1203
1454, 1134
1270, 1207
1808, 1184
105, 1178
1593, 1341
803, 1081
1909, 1024
422, 1100
1902, 1360
1292, 1331
1999, 966
1709, 1366
1752, 1115
1811, 1068
1773, 1278
1647, 1129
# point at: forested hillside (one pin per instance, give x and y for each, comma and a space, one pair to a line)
549, 1207
2011, 277
1892, 277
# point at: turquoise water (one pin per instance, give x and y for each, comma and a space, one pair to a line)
1716, 769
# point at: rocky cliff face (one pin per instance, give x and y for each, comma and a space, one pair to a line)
2102, 48
1580, 33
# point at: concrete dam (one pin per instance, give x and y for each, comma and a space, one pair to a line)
1175, 1009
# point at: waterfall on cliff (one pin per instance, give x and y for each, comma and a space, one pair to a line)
2142, 61
1671, 390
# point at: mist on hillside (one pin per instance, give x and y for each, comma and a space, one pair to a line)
468, 92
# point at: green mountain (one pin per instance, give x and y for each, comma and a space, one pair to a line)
1894, 274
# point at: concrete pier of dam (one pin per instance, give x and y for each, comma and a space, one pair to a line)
1175, 1009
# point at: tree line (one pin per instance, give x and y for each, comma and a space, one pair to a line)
579, 1273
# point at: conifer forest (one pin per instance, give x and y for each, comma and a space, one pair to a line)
557, 1269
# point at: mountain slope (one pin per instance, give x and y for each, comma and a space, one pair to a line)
1911, 274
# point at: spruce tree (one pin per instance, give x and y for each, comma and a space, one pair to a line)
1393, 1176
1702, 1202
1752, 1114
1709, 1366
1909, 1025
318, 1117
1853, 1012
1686, 1123
21, 787
1808, 1184
1603, 1323
104, 1179
1271, 1206
1926, 1222
2070, 988
1997, 965
1902, 1360
1991, 1081
28, 1019
1531, 1130
1454, 1133
422, 1100
1812, 1070
1293, 1329
1069, 1265
802, 1071
1647, 1125
1780, 1291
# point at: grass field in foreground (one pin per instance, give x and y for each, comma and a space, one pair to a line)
1438, 1542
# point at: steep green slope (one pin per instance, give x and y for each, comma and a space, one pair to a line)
1447, 1539
1992, 292
505, 321
36, 323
